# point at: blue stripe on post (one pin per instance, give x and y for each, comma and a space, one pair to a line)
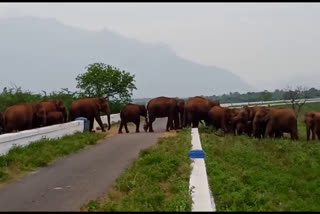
85, 120
196, 153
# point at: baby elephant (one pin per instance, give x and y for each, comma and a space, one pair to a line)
54, 117
131, 113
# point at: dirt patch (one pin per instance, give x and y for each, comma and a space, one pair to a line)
169, 134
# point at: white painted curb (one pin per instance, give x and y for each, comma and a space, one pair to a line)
201, 195
22, 138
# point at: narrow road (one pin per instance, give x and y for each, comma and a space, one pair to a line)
68, 183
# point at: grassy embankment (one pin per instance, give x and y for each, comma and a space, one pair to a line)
158, 179
247, 174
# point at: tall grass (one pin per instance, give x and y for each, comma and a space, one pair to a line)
247, 174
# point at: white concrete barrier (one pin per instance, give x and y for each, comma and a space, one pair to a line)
22, 138
114, 118
201, 195
266, 103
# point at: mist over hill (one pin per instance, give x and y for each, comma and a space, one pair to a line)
43, 54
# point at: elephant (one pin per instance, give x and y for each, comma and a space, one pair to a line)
221, 118
312, 121
131, 113
1, 123
24, 116
162, 107
241, 121
55, 105
90, 108
55, 117
196, 109
276, 121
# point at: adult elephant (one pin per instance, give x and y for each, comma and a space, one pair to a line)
131, 113
162, 107
1, 123
312, 121
54, 106
196, 109
24, 116
55, 117
221, 118
90, 108
277, 121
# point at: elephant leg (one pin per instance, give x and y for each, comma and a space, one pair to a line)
268, 130
195, 123
98, 119
91, 124
313, 131
120, 128
308, 132
137, 122
176, 121
151, 120
169, 123
126, 127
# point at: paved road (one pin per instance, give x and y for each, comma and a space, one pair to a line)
66, 184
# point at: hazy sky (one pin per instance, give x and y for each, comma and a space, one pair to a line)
269, 45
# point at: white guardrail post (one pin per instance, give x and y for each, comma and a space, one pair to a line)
201, 195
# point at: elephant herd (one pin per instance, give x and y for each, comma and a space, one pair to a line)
24, 116
256, 121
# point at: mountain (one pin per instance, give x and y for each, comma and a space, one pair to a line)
43, 54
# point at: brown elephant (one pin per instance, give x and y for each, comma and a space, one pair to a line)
55, 117
312, 121
196, 109
221, 118
162, 107
24, 116
90, 108
131, 113
1, 123
55, 105
241, 122
276, 121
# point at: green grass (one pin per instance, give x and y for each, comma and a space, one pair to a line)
247, 174
157, 181
21, 160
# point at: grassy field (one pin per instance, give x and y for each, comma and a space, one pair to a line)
22, 160
247, 174
157, 181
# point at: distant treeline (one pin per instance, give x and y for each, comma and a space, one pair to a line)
15, 95
236, 97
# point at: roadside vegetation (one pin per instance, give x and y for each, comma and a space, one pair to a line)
22, 160
158, 180
247, 174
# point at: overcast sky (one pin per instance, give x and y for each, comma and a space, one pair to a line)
269, 45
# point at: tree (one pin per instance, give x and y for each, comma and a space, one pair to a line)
266, 95
107, 81
297, 97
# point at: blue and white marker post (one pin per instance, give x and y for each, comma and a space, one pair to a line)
85, 121
199, 186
